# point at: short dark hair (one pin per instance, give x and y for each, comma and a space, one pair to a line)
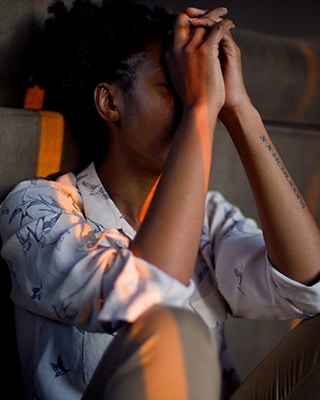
88, 43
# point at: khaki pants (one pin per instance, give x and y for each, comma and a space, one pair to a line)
291, 371
167, 355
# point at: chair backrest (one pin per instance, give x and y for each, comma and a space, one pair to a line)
33, 144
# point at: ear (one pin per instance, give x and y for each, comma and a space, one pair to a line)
104, 97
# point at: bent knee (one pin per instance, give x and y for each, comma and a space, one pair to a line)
164, 319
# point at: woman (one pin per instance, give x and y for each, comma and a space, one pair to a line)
116, 256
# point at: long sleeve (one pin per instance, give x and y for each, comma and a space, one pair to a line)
249, 283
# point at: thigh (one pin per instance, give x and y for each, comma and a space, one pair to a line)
166, 354
292, 369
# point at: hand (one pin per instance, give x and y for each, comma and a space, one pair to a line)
230, 58
193, 58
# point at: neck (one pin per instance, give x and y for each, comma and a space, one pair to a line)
132, 194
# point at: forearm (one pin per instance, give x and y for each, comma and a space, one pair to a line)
169, 235
291, 233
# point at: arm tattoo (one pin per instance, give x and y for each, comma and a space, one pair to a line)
285, 173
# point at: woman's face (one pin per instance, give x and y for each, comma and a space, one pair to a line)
149, 115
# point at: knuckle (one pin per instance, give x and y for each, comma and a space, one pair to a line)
188, 49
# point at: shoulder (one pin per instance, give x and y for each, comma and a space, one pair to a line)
43, 190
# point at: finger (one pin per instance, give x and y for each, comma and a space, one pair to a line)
194, 12
202, 21
205, 22
209, 18
216, 13
229, 46
198, 36
214, 33
219, 30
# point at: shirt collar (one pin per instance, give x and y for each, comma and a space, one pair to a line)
100, 210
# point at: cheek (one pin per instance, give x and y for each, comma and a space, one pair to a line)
166, 107
156, 111
162, 120
153, 113
162, 102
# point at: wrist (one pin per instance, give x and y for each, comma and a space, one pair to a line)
242, 121
203, 112
240, 111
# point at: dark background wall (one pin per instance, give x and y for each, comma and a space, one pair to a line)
292, 18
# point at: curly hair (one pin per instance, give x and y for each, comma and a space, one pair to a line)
89, 43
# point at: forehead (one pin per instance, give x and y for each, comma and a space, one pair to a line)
151, 60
